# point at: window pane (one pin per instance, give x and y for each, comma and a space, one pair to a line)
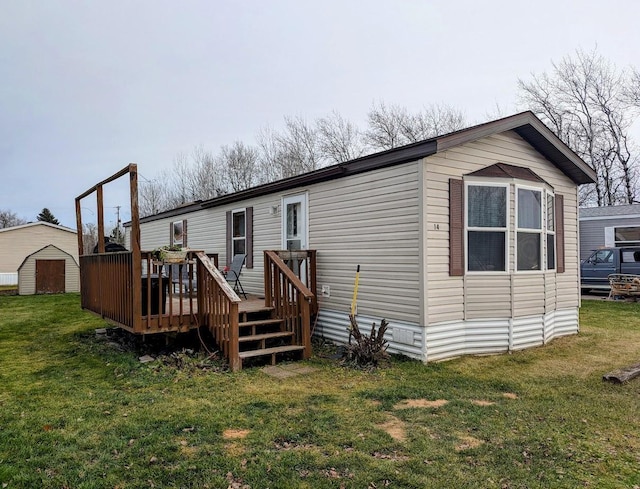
627, 234
551, 213
486, 251
238, 246
529, 209
528, 251
487, 206
293, 214
551, 252
238, 225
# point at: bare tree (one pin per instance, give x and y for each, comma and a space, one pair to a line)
295, 150
340, 140
9, 219
393, 126
583, 101
238, 165
633, 91
89, 237
153, 196
385, 126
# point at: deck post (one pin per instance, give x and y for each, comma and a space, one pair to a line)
235, 363
136, 269
306, 328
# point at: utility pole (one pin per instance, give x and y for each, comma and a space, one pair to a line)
118, 234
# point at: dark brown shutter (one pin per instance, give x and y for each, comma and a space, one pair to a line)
184, 233
249, 229
560, 233
456, 227
171, 233
229, 238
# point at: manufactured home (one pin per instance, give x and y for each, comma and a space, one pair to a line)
467, 242
610, 226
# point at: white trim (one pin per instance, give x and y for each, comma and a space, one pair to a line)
303, 199
612, 217
539, 231
233, 238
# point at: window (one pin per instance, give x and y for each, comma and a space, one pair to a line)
484, 237
239, 233
486, 227
178, 233
551, 231
529, 229
627, 236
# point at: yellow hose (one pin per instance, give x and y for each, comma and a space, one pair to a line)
355, 292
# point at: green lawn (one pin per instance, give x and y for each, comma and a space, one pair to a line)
75, 412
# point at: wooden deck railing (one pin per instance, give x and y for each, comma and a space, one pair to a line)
106, 283
218, 309
303, 265
167, 301
291, 299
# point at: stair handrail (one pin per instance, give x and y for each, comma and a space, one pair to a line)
272, 258
218, 308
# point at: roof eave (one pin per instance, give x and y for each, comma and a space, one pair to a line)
532, 130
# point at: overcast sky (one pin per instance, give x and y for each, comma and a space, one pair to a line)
87, 87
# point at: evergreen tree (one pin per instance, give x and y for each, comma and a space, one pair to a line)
47, 216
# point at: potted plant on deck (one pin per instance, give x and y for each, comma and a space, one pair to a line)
170, 254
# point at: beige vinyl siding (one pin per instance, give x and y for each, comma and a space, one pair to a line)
206, 231
27, 273
18, 243
371, 220
445, 296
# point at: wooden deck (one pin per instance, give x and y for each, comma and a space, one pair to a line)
253, 303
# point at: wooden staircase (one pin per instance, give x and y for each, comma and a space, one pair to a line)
262, 334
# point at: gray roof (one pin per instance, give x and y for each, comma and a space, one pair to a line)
610, 211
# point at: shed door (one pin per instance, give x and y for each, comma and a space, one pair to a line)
50, 276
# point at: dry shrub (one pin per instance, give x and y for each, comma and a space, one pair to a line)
366, 350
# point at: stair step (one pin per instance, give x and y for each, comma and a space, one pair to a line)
265, 336
260, 322
270, 351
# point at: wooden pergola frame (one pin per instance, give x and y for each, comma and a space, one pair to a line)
132, 170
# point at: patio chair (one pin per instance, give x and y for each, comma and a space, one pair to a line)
233, 274
180, 278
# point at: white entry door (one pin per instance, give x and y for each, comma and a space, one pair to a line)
294, 222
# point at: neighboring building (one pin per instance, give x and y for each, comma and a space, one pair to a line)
18, 242
616, 225
467, 242
49, 270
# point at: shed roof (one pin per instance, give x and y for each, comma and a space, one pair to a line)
44, 248
525, 124
38, 223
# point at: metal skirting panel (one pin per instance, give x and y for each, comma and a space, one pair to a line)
527, 332
477, 337
403, 338
456, 338
565, 322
